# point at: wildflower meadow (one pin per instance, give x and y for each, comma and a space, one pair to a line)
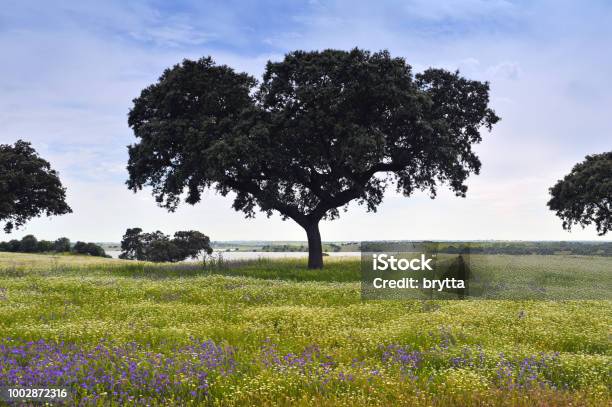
129, 333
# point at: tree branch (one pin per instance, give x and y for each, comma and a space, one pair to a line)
254, 189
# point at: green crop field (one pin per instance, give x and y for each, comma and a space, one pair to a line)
275, 333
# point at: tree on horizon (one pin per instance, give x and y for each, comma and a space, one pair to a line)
584, 196
159, 247
320, 130
29, 187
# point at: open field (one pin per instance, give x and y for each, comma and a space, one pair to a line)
274, 333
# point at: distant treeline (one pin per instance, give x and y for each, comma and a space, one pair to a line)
327, 247
516, 248
284, 248
29, 244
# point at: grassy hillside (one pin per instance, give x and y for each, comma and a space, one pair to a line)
259, 334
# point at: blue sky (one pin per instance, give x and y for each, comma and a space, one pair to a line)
71, 68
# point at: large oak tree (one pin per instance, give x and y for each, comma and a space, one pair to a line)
28, 186
584, 196
320, 130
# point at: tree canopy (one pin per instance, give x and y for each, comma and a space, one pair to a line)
320, 130
91, 249
158, 247
28, 186
584, 196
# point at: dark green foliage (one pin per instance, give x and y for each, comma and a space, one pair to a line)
11, 246
28, 244
161, 250
132, 244
80, 247
191, 243
61, 245
158, 247
91, 249
28, 186
44, 246
95, 250
321, 130
584, 196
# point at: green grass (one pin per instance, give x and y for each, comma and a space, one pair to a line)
85, 300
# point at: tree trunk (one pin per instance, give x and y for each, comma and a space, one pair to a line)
315, 250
